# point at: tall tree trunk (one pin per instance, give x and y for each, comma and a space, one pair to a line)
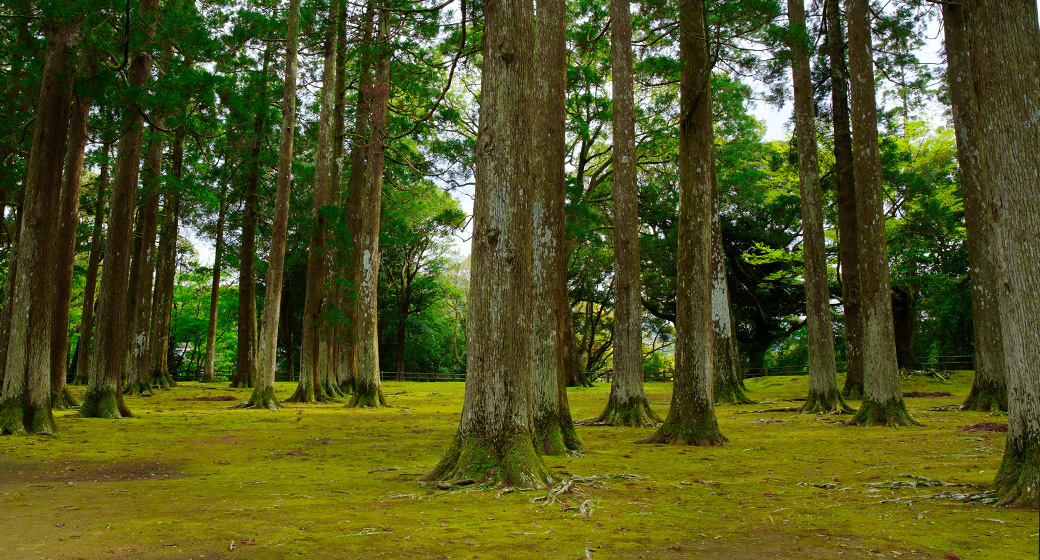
139, 379
824, 396
1008, 149
245, 352
267, 355
691, 418
12, 274
727, 379
355, 190
494, 441
311, 388
367, 390
882, 398
166, 271
627, 405
86, 326
341, 372
848, 228
989, 391
904, 325
403, 304
208, 373
25, 402
65, 249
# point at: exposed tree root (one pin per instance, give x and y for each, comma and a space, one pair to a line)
61, 400
985, 399
635, 413
104, 403
893, 413
308, 394
688, 429
732, 393
261, 398
820, 403
1018, 479
332, 390
367, 395
17, 418
510, 461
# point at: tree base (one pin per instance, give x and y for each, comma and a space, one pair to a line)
104, 403
985, 400
571, 440
332, 391
892, 413
261, 398
138, 389
63, 400
507, 461
635, 413
308, 394
688, 429
853, 391
241, 384
1018, 479
732, 393
547, 435
165, 380
347, 387
211, 378
78, 381
19, 419
367, 396
823, 403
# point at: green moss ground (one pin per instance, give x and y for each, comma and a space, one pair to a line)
186, 478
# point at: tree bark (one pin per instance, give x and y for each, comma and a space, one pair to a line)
691, 418
25, 401
355, 189
208, 373
65, 249
166, 272
1005, 115
245, 352
367, 390
12, 273
139, 380
311, 388
882, 398
627, 405
848, 228
337, 339
904, 325
727, 379
267, 356
824, 396
494, 440
989, 390
86, 326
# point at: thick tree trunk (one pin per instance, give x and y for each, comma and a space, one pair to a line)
824, 396
208, 373
267, 355
848, 229
727, 379
311, 388
1008, 149
65, 251
691, 417
86, 326
882, 398
989, 391
367, 390
245, 352
139, 379
355, 190
627, 405
12, 273
340, 370
166, 273
494, 441
25, 401
904, 325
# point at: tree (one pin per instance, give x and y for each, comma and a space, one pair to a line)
882, 398
989, 390
208, 374
627, 405
86, 327
691, 417
25, 404
1009, 149
263, 384
494, 441
824, 396
848, 228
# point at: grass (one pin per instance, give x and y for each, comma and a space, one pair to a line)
192, 479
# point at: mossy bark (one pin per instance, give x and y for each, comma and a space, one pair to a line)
367, 395
18, 418
104, 401
1018, 479
987, 395
547, 435
689, 427
633, 412
510, 461
261, 398
888, 413
826, 402
63, 399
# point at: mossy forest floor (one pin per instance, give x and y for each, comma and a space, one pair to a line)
190, 478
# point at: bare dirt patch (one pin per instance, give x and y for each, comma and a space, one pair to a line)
223, 398
922, 395
77, 471
985, 427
